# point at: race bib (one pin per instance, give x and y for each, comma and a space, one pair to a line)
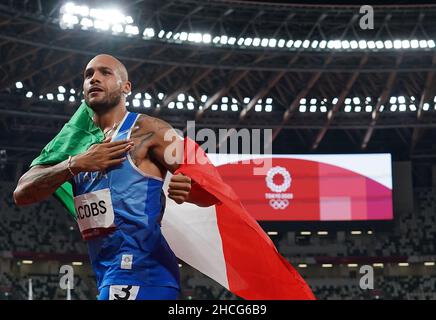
95, 214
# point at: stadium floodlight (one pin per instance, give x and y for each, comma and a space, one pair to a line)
354, 44
429, 263
146, 103
362, 44
101, 25
289, 43
323, 109
335, 100
171, 105
268, 108
405, 44
27, 262
302, 265
179, 105
312, 108
77, 263
356, 232
256, 42
401, 99
224, 99
190, 106
72, 99
431, 43
194, 37
136, 103
147, 96
60, 97
394, 107
393, 100
303, 100
312, 101
161, 34
215, 39
402, 107
382, 108
234, 100
264, 42
425, 107
72, 91
160, 95
117, 28
371, 44
240, 41
259, 101
412, 107
138, 95
86, 23
389, 44
358, 109
203, 98
248, 41
258, 108
148, 33
323, 44
306, 44
403, 264
331, 44
29, 94
50, 96
305, 233
214, 107
281, 43
207, 38
356, 100
303, 108
183, 36
247, 100
234, 107
224, 107
191, 99
169, 35
232, 41
322, 233
352, 265
314, 44
68, 21
181, 97
378, 265
347, 108
368, 108
414, 43
423, 44
224, 39
132, 30
397, 44
345, 44
379, 44
327, 265
268, 100
368, 99
347, 100
19, 85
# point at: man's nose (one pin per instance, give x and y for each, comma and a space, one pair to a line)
95, 78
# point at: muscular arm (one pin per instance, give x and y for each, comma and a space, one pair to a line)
168, 151
40, 182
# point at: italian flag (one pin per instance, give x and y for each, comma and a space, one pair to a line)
222, 241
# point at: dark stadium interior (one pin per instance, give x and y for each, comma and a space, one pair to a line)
352, 88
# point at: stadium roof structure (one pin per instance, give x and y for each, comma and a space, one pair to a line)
309, 72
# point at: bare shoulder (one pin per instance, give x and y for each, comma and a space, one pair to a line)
152, 124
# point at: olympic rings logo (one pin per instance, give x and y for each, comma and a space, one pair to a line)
278, 187
278, 204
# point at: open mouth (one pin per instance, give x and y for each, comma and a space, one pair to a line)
94, 90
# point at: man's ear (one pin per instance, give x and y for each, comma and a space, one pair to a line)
127, 87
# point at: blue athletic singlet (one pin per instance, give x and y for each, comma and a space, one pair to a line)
119, 213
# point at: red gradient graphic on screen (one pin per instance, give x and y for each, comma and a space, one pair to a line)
305, 190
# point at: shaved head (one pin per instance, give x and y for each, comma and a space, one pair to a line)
116, 64
106, 82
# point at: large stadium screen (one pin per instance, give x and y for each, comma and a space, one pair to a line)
335, 187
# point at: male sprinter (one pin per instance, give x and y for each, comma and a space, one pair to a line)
117, 191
